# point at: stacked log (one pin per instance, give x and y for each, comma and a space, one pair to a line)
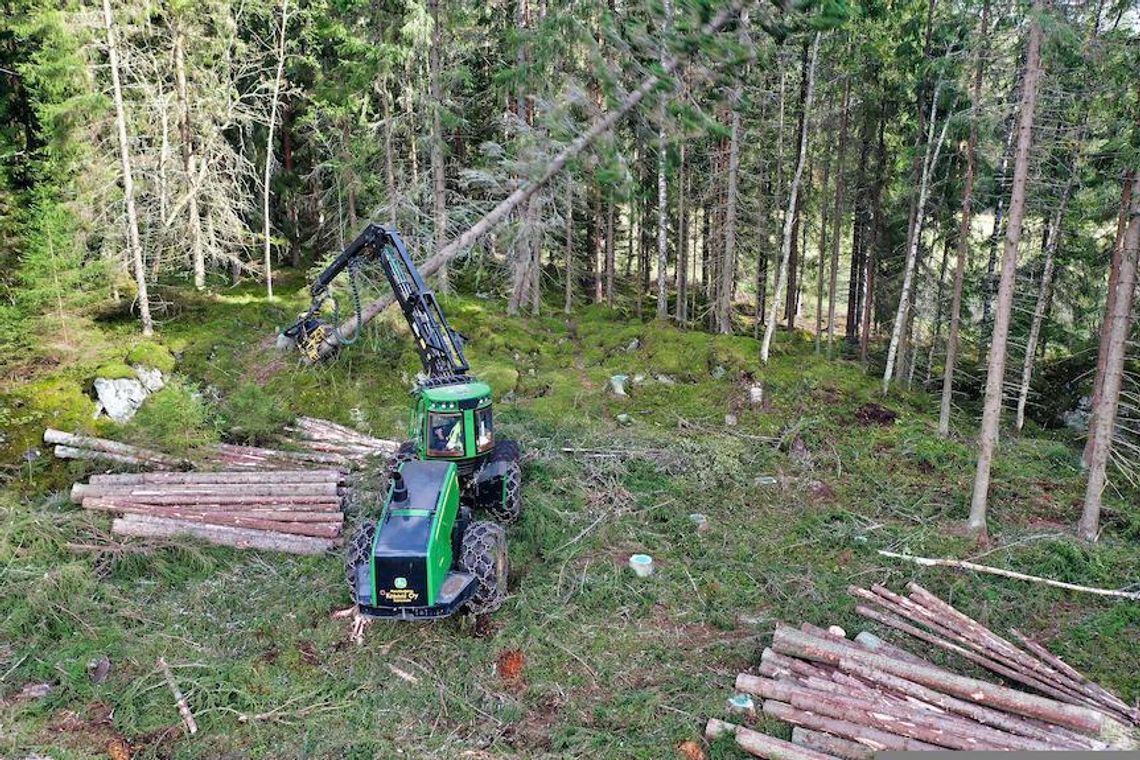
323, 436
319, 443
297, 511
852, 698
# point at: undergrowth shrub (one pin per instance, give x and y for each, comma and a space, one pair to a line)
252, 415
177, 419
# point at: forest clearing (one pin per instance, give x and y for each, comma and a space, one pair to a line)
808, 334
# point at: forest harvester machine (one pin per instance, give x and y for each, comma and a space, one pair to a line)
426, 556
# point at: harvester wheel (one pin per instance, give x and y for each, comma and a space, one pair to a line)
484, 554
359, 552
508, 506
408, 452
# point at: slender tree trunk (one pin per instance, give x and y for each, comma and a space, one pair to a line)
684, 187
610, 252
991, 414
1053, 241
837, 216
964, 228
995, 235
822, 255
389, 167
1110, 302
1119, 322
937, 334
569, 275
728, 264
133, 242
268, 252
189, 159
859, 228
793, 194
598, 252
662, 200
438, 175
928, 164
873, 239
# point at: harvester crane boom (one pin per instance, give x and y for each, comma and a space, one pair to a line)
440, 347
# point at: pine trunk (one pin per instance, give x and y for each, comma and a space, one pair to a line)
1118, 325
837, 217
189, 159
991, 414
728, 265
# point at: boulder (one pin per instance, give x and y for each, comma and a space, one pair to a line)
120, 398
150, 378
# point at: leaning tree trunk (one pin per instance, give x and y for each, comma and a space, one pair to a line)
963, 252
1053, 231
915, 236
991, 411
265, 189
793, 194
495, 216
1118, 322
133, 242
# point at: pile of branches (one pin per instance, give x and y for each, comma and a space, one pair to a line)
851, 698
316, 443
296, 511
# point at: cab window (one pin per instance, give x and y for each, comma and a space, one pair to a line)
445, 435
484, 430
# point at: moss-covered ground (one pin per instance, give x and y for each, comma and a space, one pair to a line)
612, 666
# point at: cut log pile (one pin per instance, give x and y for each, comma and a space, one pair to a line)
297, 511
319, 444
851, 698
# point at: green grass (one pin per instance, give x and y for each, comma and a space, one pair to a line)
614, 666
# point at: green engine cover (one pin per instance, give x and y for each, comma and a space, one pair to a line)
412, 551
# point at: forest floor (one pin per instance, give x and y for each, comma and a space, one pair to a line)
799, 494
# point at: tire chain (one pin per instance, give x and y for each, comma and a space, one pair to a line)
481, 544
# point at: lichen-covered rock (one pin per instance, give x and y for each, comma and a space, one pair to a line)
150, 377
119, 398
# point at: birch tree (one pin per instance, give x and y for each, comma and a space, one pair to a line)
662, 199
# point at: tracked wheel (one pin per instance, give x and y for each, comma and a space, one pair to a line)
484, 554
507, 507
357, 553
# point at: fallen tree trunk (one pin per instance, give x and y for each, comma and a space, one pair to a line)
73, 441
869, 737
762, 745
70, 452
256, 507
241, 477
205, 491
893, 716
308, 503
217, 516
242, 538
830, 745
324, 529
600, 126
790, 641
